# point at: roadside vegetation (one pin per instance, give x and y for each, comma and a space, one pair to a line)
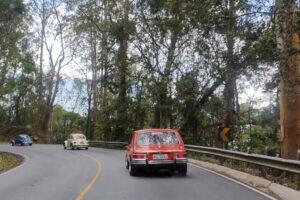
9, 160
110, 67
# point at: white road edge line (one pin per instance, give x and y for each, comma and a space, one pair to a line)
26, 159
236, 181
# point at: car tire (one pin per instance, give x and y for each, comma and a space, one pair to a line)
182, 170
86, 148
64, 147
127, 164
132, 170
22, 144
30, 144
72, 147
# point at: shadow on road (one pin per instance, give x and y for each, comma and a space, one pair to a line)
158, 174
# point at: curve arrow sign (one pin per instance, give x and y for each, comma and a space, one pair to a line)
223, 134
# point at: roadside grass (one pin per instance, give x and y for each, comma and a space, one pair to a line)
290, 180
9, 160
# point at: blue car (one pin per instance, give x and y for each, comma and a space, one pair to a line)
22, 139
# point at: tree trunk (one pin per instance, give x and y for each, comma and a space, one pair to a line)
289, 63
229, 105
122, 63
17, 109
104, 110
157, 116
45, 119
139, 111
165, 107
230, 80
237, 118
94, 109
53, 78
3, 74
41, 102
88, 132
40, 74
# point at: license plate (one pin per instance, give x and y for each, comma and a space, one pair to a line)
160, 156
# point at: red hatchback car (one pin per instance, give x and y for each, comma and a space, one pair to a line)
156, 148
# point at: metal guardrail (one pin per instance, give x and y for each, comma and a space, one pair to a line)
108, 143
292, 166
261, 160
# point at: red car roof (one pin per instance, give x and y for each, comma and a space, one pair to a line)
157, 130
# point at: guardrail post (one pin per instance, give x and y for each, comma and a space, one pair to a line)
222, 161
297, 178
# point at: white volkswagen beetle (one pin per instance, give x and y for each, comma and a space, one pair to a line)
76, 141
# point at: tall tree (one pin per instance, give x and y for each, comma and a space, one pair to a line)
239, 29
162, 35
52, 31
17, 69
122, 70
11, 32
288, 18
104, 101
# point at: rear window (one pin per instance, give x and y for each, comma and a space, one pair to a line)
157, 138
24, 136
77, 137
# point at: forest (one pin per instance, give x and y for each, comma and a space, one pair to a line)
109, 67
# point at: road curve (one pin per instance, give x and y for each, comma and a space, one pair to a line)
50, 172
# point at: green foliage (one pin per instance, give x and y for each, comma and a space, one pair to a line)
264, 49
260, 130
260, 140
17, 68
179, 59
62, 123
168, 15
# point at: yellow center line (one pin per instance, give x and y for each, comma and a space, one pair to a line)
92, 182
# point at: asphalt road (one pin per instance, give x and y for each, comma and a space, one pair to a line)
51, 173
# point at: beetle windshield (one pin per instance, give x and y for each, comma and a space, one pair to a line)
157, 138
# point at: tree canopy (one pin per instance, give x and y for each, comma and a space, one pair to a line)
111, 67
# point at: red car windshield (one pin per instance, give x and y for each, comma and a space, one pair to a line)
157, 138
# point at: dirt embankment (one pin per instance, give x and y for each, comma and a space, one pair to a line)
6, 134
